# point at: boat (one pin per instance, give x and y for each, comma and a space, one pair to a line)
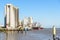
35, 28
40, 28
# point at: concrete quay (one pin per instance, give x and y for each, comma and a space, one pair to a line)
15, 29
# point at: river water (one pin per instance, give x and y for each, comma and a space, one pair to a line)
44, 34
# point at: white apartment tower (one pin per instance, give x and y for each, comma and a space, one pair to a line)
11, 16
30, 21
25, 22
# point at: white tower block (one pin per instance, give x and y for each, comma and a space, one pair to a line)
11, 13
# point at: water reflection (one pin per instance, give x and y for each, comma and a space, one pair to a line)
25, 35
45, 34
2, 36
12, 35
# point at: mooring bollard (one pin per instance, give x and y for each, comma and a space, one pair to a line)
54, 32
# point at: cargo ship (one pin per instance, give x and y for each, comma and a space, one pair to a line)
37, 28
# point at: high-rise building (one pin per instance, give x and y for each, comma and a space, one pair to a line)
28, 22
11, 16
25, 22
30, 19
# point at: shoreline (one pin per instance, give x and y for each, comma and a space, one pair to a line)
15, 29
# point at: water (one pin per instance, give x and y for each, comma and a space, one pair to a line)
44, 34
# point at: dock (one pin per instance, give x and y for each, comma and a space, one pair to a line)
15, 29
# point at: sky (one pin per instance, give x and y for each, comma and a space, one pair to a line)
47, 12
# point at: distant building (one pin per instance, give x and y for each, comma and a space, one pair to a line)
11, 16
1, 26
25, 22
30, 19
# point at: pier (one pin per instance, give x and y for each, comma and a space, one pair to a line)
15, 29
